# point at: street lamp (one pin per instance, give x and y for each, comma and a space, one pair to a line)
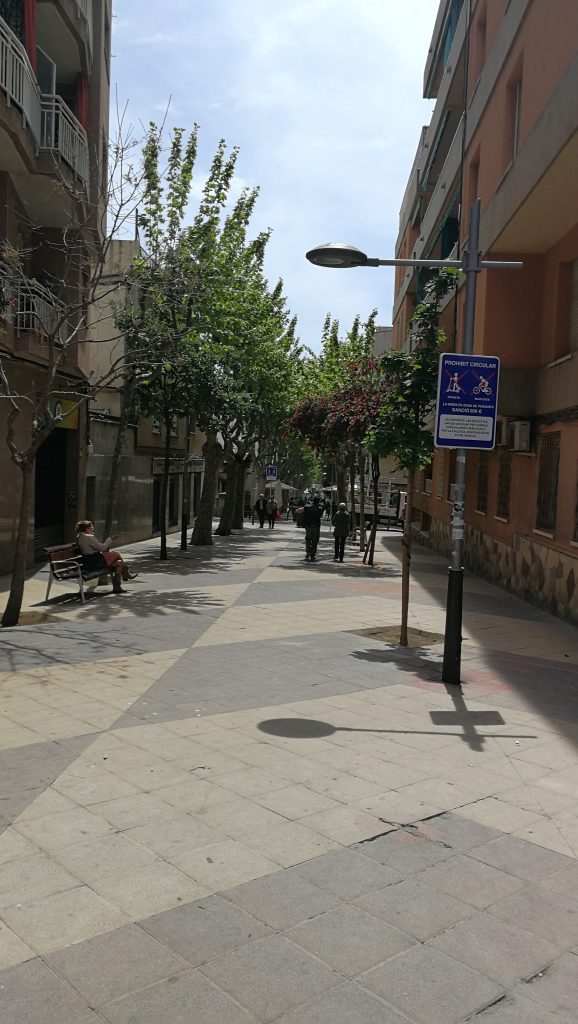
338, 254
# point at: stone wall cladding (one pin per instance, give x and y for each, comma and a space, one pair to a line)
529, 568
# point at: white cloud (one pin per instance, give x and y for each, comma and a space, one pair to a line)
324, 99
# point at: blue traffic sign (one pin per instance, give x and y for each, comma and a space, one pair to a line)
467, 401
271, 474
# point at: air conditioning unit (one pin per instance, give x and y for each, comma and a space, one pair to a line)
520, 436
501, 433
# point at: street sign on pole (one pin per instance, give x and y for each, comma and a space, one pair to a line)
271, 474
467, 401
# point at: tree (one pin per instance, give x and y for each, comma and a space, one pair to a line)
402, 428
57, 309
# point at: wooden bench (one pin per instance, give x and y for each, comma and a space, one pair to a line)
64, 563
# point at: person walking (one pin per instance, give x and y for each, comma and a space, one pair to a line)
341, 529
272, 507
261, 509
312, 522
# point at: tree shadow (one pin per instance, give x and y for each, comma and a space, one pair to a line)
105, 606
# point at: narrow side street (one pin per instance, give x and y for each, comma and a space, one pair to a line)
223, 801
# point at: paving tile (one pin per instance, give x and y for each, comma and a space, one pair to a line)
32, 878
195, 796
103, 856
59, 920
176, 838
224, 865
149, 889
471, 881
282, 900
501, 951
185, 998
288, 843
32, 994
12, 949
556, 988
457, 832
345, 825
500, 814
346, 1004
525, 860
251, 782
347, 874
416, 908
271, 976
128, 812
13, 846
295, 802
349, 939
206, 929
57, 830
399, 808
109, 966
542, 912
404, 851
564, 882
430, 987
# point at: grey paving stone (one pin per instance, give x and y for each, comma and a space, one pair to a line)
346, 1004
542, 912
557, 988
187, 999
32, 994
347, 874
271, 976
457, 832
515, 1009
416, 908
504, 953
525, 860
430, 987
205, 929
350, 940
471, 880
282, 900
112, 965
404, 852
565, 881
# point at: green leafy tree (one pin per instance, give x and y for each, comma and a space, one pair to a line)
402, 428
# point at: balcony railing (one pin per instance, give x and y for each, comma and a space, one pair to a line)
29, 306
17, 79
61, 132
52, 124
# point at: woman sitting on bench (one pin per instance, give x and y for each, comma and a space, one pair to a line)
96, 555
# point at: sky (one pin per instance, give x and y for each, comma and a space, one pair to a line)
324, 99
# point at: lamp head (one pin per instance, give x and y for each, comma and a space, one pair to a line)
337, 254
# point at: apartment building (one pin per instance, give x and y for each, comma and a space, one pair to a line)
54, 93
504, 77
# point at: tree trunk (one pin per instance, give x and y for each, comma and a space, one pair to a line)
352, 488
203, 529
341, 484
225, 526
239, 514
126, 399
406, 557
12, 610
164, 490
362, 537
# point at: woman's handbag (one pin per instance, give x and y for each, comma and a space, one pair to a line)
95, 562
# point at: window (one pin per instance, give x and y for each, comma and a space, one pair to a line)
427, 479
575, 537
483, 474
479, 47
512, 121
504, 483
548, 463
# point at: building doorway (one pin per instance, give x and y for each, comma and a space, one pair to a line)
50, 493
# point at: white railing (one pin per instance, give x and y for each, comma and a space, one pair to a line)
85, 7
28, 305
17, 78
61, 131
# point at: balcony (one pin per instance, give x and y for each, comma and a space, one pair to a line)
29, 306
51, 123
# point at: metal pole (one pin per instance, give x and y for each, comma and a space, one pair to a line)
472, 264
186, 502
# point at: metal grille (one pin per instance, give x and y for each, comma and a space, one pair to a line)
548, 481
504, 483
13, 13
483, 473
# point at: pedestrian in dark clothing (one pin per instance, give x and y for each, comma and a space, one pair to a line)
341, 530
312, 522
272, 507
261, 509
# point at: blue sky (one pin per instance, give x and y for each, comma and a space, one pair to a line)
324, 99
